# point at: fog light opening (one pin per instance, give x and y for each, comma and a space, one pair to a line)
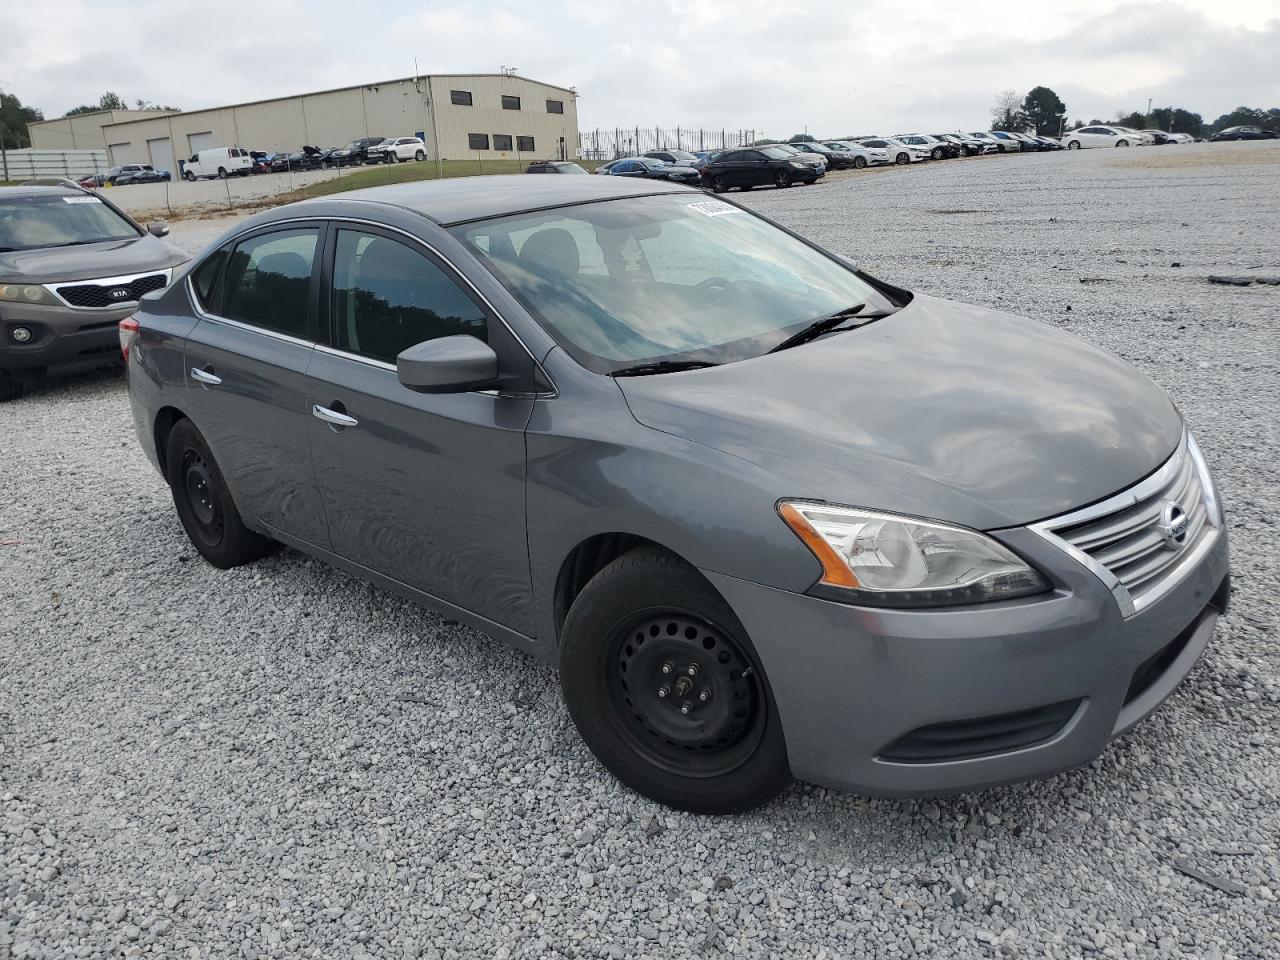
21, 334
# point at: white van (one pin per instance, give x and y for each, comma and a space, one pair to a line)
218, 162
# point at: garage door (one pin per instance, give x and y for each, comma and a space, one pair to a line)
118, 153
200, 141
161, 153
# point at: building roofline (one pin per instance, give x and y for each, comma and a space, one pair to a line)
319, 93
97, 113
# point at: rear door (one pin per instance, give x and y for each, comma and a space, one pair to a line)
427, 489
246, 363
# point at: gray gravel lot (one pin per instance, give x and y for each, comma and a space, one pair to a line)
282, 761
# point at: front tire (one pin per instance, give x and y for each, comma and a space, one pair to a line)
204, 503
1073, 144
666, 690
782, 179
1122, 143
10, 389
902, 159
718, 184
937, 153
189, 176
859, 163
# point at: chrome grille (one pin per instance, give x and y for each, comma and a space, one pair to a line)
110, 291
1134, 541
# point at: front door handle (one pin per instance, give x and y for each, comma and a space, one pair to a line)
204, 376
333, 417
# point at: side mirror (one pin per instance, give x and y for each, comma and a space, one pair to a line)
158, 229
447, 365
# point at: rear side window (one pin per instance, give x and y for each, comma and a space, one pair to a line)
204, 280
387, 297
267, 282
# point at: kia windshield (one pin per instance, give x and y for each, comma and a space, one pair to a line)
59, 220
676, 278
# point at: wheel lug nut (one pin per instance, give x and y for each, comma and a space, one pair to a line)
704, 695
693, 670
686, 707
663, 692
668, 668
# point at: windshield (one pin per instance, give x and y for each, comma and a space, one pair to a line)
682, 154
668, 277
777, 153
817, 148
59, 220
569, 168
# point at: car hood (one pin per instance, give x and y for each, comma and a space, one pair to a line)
114, 258
942, 410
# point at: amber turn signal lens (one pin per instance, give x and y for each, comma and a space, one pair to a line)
835, 572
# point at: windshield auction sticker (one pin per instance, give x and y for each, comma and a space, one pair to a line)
713, 208
81, 200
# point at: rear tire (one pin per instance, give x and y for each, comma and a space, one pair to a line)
644, 612
420, 156
222, 173
204, 503
10, 389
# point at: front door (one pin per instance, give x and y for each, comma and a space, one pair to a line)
246, 364
427, 489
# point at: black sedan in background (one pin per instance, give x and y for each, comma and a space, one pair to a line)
554, 166
651, 169
308, 158
680, 157
835, 159
1243, 133
755, 167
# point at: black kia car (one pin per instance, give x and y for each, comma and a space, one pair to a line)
755, 167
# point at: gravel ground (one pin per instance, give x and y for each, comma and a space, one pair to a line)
282, 761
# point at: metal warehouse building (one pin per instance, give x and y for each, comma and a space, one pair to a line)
460, 116
83, 131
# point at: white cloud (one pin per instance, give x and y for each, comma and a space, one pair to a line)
885, 65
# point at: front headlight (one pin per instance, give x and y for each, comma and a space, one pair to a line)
882, 559
26, 293
799, 164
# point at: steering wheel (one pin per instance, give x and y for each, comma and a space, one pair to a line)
712, 289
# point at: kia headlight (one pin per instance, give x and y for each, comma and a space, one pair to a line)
26, 293
799, 164
882, 559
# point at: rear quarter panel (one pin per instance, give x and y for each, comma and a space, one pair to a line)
156, 375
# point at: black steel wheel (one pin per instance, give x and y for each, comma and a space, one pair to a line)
204, 503
666, 689
782, 179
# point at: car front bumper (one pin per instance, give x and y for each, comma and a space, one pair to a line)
853, 684
65, 338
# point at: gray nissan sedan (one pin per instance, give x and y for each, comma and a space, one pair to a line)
770, 516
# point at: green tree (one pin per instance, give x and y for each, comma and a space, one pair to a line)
1007, 113
14, 117
1044, 110
108, 101
1246, 116
802, 138
1135, 120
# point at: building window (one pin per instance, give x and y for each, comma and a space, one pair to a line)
524, 144
460, 98
510, 103
478, 141
501, 141
555, 106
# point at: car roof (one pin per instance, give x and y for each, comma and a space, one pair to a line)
462, 199
41, 191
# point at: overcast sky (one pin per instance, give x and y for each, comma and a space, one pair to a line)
831, 66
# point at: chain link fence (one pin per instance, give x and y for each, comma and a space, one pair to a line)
604, 143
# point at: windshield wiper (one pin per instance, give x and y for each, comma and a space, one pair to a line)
827, 324
662, 366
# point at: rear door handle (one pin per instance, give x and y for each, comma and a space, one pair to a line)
204, 376
333, 417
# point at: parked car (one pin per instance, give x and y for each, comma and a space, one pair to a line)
835, 159
816, 160
757, 166
901, 153
629, 479
1007, 141
261, 161
969, 146
989, 143
71, 265
1182, 138
1159, 137
354, 153
218, 162
1243, 133
1097, 136
141, 173
861, 156
396, 150
938, 148
679, 157
1048, 143
1139, 138
651, 169
554, 166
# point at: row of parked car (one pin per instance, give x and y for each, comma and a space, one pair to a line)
357, 153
